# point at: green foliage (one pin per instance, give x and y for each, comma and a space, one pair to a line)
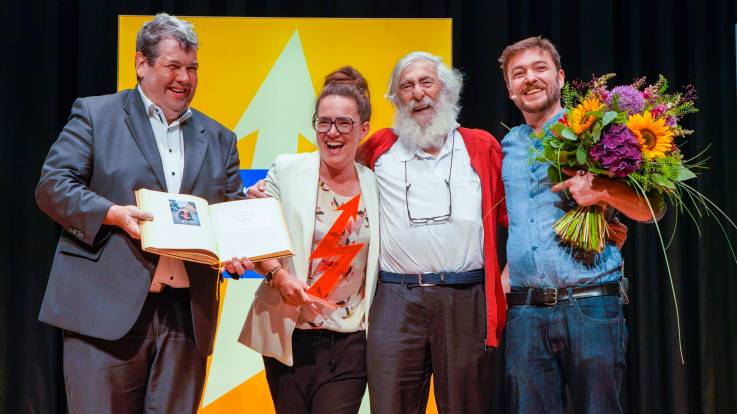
569, 96
608, 117
581, 155
554, 174
661, 174
596, 132
661, 85
615, 104
683, 108
568, 134
684, 174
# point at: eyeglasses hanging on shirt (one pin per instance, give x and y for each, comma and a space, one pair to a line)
427, 221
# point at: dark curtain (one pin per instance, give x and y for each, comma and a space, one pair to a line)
56, 51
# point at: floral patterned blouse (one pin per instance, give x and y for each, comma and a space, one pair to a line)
338, 262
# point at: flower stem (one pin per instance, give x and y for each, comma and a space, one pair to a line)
583, 228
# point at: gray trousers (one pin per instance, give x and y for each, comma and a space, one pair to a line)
414, 332
155, 368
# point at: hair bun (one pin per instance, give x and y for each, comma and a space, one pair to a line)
349, 83
348, 75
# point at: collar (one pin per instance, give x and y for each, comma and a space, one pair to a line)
550, 121
406, 154
152, 110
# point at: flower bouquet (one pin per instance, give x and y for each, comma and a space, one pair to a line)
626, 133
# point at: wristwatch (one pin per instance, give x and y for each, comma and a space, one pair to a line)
269, 276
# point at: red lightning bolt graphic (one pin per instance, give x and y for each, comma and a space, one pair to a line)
328, 248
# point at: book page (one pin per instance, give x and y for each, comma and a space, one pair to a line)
251, 228
181, 222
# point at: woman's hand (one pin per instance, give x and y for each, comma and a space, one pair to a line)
257, 190
239, 266
292, 290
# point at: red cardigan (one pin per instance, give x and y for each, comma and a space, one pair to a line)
486, 160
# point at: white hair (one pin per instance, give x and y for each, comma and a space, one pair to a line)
451, 79
411, 134
414, 136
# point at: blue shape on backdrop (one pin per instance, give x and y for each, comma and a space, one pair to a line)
249, 178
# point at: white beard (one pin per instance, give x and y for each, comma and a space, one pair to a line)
432, 136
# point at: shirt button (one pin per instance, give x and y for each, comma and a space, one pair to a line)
532, 195
172, 173
532, 220
534, 248
170, 150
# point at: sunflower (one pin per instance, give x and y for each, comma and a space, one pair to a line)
654, 135
580, 121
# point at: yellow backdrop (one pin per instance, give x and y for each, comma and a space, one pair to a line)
259, 77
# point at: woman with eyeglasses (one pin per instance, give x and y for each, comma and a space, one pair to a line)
309, 316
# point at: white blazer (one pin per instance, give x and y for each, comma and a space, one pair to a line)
293, 180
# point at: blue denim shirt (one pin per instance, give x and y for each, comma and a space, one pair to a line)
535, 257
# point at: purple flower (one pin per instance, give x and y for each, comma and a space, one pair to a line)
618, 151
628, 98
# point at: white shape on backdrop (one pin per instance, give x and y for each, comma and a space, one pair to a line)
232, 363
280, 111
282, 107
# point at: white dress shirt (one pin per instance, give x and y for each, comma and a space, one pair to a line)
170, 142
448, 247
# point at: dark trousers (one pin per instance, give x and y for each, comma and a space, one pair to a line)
328, 376
155, 368
580, 343
414, 332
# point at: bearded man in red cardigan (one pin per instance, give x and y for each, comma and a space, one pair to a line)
439, 307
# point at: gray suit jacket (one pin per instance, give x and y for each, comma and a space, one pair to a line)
100, 276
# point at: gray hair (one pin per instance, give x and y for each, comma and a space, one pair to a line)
450, 78
164, 26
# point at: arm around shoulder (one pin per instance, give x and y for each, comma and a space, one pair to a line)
284, 166
271, 182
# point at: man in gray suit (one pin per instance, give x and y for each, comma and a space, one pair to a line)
137, 327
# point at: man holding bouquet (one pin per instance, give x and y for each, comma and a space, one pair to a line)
565, 322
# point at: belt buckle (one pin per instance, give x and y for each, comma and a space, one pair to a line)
555, 297
421, 283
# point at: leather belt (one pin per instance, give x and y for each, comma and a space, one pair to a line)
433, 279
551, 297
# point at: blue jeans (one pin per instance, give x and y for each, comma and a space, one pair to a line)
580, 343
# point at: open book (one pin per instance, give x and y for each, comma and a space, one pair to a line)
188, 228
